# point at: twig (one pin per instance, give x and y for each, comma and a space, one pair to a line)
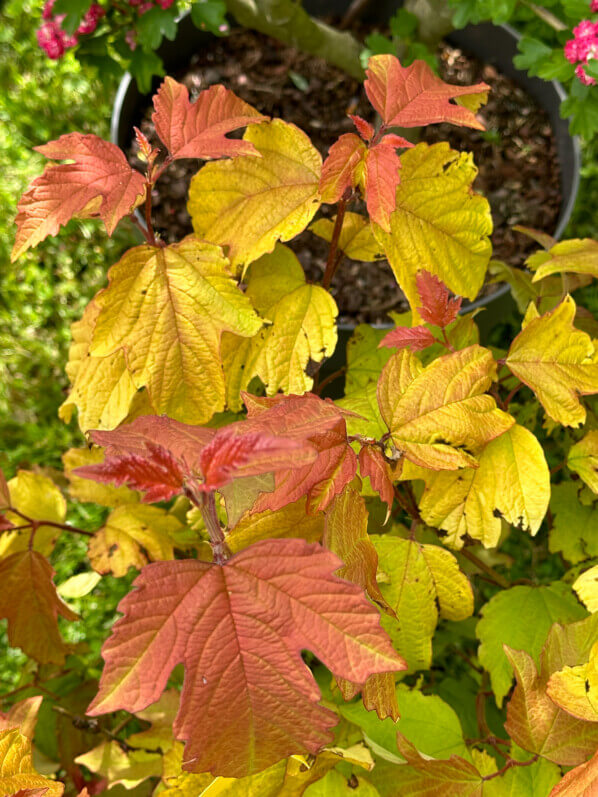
511, 762
330, 378
546, 16
332, 262
496, 577
507, 401
35, 524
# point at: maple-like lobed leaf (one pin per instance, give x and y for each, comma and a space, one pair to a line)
415, 338
437, 307
582, 458
342, 168
86, 490
98, 182
439, 415
413, 96
197, 130
557, 361
32, 619
290, 521
322, 424
239, 630
577, 256
575, 689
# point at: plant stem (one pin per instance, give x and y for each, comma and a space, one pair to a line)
36, 523
151, 238
330, 378
206, 503
511, 762
546, 16
507, 401
332, 262
496, 577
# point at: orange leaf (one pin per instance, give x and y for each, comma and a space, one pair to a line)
382, 177
197, 130
341, 168
239, 630
29, 602
412, 96
437, 306
579, 782
97, 182
414, 338
373, 464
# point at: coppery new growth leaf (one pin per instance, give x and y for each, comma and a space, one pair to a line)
162, 457
413, 96
198, 129
414, 338
437, 306
97, 182
239, 630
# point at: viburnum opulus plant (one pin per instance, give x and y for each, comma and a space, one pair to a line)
295, 551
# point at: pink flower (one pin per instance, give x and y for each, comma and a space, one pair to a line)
164, 4
594, 6
50, 40
47, 12
571, 51
90, 21
145, 7
585, 28
584, 78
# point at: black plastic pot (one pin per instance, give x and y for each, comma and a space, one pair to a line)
490, 43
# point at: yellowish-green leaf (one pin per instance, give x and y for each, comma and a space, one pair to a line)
356, 239
335, 784
577, 256
575, 689
128, 768
132, 536
40, 499
302, 329
422, 579
249, 203
472, 501
365, 360
102, 388
364, 402
583, 459
79, 586
290, 521
586, 586
574, 531
438, 416
89, 490
161, 715
558, 362
16, 767
439, 224
166, 308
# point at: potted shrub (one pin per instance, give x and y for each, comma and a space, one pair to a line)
266, 520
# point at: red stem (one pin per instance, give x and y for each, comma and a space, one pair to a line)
333, 261
510, 764
36, 523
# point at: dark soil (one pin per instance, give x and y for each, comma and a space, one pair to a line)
516, 155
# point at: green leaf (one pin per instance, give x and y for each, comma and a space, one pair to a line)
427, 721
531, 53
574, 532
209, 15
365, 360
143, 67
403, 24
582, 106
156, 24
334, 784
521, 618
535, 780
74, 10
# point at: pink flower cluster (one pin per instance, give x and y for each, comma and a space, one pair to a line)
54, 40
145, 5
583, 47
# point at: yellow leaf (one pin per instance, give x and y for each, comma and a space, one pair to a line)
557, 361
438, 416
249, 203
40, 499
302, 329
364, 402
166, 308
512, 481
422, 579
88, 490
577, 256
439, 223
586, 586
129, 768
16, 767
583, 459
132, 536
161, 715
290, 521
79, 586
575, 689
356, 239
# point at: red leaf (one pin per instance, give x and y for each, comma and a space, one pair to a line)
158, 455
365, 129
340, 170
197, 130
382, 177
248, 699
29, 601
414, 338
373, 464
438, 307
320, 423
99, 182
413, 96
234, 453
